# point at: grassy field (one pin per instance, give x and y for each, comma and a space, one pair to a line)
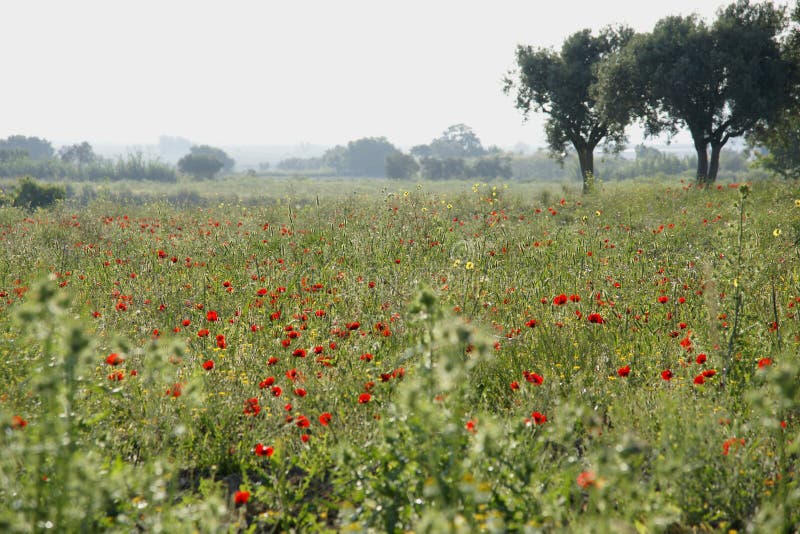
381, 356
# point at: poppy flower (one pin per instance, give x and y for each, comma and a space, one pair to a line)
241, 497
208, 365
701, 359
262, 450
533, 378
708, 373
560, 299
586, 479
300, 353
666, 374
726, 445
203, 332
267, 382
764, 362
531, 323
212, 316
514, 385
364, 398
539, 418
470, 426
325, 419
114, 359
221, 343
366, 357
624, 371
595, 318
18, 423
699, 379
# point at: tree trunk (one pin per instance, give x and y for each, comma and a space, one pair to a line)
702, 161
713, 166
586, 159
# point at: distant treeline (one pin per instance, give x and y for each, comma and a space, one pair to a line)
35, 157
458, 154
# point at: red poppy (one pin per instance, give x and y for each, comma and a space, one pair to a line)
726, 445
666, 374
560, 299
276, 391
208, 365
708, 373
212, 316
514, 385
364, 398
586, 479
663, 299
470, 426
300, 353
539, 418
531, 323
624, 371
114, 359
202, 332
699, 379
251, 406
701, 359
353, 326
367, 357
221, 343
262, 450
533, 378
241, 497
595, 318
18, 423
175, 390
325, 419
574, 298
267, 382
764, 362
300, 392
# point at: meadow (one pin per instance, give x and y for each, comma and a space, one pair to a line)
353, 356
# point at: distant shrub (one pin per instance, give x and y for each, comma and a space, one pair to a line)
32, 195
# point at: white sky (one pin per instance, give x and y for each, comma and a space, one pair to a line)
269, 72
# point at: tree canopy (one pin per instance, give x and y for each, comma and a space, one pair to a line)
80, 154
201, 166
781, 136
36, 148
458, 141
217, 153
718, 81
559, 84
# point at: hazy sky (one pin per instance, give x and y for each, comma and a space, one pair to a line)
269, 72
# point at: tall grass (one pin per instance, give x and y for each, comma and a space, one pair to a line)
416, 357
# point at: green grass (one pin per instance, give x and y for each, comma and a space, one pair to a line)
424, 312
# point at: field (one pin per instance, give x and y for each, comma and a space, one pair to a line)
404, 357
